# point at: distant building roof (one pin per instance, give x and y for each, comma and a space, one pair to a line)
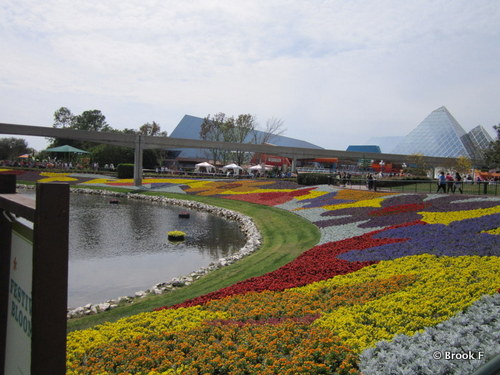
386, 143
364, 148
189, 128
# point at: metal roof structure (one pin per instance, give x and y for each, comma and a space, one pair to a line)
364, 148
440, 135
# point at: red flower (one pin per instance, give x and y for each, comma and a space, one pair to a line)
398, 209
316, 264
271, 198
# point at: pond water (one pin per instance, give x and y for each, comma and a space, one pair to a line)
118, 249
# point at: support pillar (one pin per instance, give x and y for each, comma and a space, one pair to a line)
294, 165
138, 151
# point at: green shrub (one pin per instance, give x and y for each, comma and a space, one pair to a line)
309, 179
404, 181
125, 170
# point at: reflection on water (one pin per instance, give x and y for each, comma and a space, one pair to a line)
118, 249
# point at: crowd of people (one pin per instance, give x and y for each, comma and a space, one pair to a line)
450, 184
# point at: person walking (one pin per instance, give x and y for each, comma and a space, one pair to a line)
449, 183
441, 182
458, 183
370, 181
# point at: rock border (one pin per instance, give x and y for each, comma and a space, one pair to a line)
245, 223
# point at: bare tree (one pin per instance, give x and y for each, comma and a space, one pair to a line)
212, 129
242, 129
274, 127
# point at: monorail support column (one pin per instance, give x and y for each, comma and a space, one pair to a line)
138, 151
294, 164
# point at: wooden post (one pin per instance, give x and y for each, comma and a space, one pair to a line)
43, 308
50, 279
7, 184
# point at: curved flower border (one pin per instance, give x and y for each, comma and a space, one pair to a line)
420, 280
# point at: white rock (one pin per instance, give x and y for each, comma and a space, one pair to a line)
103, 306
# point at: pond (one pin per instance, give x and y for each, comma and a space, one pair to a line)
118, 249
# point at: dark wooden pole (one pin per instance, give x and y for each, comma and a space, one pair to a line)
7, 186
50, 279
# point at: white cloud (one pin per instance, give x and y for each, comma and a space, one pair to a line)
337, 72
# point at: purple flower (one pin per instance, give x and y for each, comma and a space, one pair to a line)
457, 239
324, 200
449, 203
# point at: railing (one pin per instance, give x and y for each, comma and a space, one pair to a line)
421, 186
312, 170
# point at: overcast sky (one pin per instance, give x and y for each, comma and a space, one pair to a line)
336, 72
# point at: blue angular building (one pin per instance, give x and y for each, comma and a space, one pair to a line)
189, 128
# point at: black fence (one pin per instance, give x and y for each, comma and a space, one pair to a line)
420, 186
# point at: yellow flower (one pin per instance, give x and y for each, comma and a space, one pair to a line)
311, 195
100, 181
82, 342
492, 231
444, 286
58, 179
449, 217
376, 202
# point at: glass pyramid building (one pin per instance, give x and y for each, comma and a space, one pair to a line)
439, 134
480, 139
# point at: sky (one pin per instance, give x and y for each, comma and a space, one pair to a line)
337, 73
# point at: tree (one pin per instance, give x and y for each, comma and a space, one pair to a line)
492, 154
242, 129
463, 165
417, 165
152, 129
214, 129
92, 120
11, 148
63, 118
153, 158
111, 154
244, 126
95, 121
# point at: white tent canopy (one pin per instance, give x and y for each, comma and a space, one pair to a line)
231, 166
235, 168
260, 168
204, 167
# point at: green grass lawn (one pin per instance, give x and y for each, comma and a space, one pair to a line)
285, 236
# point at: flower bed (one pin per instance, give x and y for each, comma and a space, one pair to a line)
393, 274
